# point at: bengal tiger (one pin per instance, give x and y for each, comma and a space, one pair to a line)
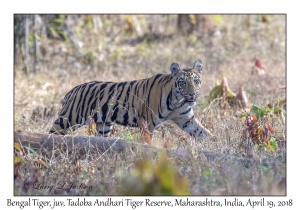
154, 100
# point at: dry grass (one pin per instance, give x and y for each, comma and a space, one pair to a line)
107, 54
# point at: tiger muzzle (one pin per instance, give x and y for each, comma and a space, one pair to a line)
191, 97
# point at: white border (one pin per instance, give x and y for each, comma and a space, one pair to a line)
154, 6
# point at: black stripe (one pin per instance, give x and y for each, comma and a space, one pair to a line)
200, 132
160, 81
122, 84
102, 86
134, 95
169, 99
144, 86
102, 90
128, 92
149, 92
138, 87
89, 96
80, 114
115, 110
69, 100
116, 106
153, 122
125, 119
159, 111
61, 123
105, 106
167, 79
72, 107
104, 132
160, 116
95, 117
126, 115
134, 120
187, 111
82, 88
187, 122
91, 106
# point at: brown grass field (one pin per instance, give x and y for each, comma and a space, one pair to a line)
110, 49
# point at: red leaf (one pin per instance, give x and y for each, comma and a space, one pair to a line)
271, 128
258, 64
254, 119
146, 133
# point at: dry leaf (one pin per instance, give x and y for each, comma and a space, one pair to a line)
241, 99
91, 129
17, 146
271, 128
17, 160
113, 131
145, 137
258, 67
17, 172
224, 88
41, 162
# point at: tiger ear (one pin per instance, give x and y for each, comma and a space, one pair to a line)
174, 68
198, 66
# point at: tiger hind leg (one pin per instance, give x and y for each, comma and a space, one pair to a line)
60, 126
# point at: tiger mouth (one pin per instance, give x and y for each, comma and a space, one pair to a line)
191, 99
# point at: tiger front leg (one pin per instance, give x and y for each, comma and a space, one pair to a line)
193, 127
104, 129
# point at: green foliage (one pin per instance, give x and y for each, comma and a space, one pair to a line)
192, 38
89, 56
216, 92
206, 175
126, 136
102, 189
258, 112
38, 37
50, 97
89, 21
218, 19
260, 130
56, 28
154, 179
270, 146
85, 174
248, 41
202, 105
263, 168
32, 150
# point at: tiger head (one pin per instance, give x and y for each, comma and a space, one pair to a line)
188, 81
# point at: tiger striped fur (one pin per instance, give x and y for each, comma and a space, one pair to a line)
154, 100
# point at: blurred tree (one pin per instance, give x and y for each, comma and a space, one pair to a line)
40, 27
187, 24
